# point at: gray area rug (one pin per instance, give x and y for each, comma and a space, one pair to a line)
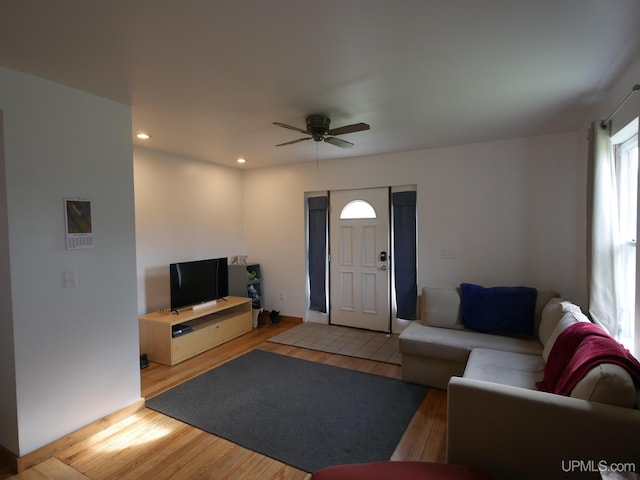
305, 414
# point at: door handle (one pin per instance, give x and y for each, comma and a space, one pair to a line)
383, 267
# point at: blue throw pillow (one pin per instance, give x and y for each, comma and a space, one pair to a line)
504, 310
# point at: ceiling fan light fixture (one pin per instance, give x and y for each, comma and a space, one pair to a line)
317, 126
143, 136
318, 129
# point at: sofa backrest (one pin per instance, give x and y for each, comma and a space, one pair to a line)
556, 315
440, 307
606, 382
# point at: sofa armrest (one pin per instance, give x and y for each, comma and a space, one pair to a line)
513, 432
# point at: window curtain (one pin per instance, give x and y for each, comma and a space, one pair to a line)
603, 256
404, 254
317, 253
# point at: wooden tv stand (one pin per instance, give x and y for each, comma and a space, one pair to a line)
211, 326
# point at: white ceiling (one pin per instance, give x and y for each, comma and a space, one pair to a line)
208, 77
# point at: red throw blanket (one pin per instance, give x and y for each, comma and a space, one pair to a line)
578, 349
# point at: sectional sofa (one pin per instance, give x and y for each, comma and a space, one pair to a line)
499, 418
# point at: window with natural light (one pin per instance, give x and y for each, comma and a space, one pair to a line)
626, 161
357, 209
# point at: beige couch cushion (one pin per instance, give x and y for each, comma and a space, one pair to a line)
544, 296
607, 383
569, 317
551, 315
506, 368
441, 307
455, 345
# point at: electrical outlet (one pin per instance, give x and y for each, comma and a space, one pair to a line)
283, 296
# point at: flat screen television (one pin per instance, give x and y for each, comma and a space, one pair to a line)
198, 281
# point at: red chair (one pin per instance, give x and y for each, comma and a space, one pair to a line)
399, 470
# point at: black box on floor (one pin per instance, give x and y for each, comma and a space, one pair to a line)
144, 361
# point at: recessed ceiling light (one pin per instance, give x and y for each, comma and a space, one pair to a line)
241, 160
143, 136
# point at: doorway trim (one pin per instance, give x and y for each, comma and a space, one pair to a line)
397, 324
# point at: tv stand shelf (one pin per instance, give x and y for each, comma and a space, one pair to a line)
211, 326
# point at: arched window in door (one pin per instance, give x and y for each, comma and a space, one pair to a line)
356, 209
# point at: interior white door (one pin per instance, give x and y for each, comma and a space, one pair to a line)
359, 253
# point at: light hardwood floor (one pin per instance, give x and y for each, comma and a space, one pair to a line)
149, 445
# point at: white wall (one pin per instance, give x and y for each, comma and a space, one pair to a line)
8, 405
185, 210
75, 349
507, 208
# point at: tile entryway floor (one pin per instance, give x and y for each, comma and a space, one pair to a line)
343, 340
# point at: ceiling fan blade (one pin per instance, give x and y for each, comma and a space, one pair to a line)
356, 127
290, 127
338, 142
293, 141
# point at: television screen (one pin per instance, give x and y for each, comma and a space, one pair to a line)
198, 282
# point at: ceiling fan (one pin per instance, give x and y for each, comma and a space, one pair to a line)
318, 128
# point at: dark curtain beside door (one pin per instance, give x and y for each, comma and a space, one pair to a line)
404, 254
317, 254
